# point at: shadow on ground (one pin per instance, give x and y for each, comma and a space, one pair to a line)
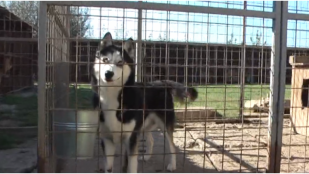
156, 164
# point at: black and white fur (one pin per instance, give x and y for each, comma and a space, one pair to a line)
122, 102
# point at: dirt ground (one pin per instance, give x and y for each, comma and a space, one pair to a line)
228, 148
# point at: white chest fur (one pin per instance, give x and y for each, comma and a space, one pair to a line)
111, 126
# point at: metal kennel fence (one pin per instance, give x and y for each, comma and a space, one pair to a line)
216, 133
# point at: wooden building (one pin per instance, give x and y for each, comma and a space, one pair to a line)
18, 53
300, 94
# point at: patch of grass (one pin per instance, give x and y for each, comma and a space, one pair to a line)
10, 139
224, 98
81, 97
25, 112
6, 141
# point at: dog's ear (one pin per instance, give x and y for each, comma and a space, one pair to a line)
106, 41
129, 47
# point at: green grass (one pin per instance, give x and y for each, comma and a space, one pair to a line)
7, 141
25, 114
80, 97
224, 98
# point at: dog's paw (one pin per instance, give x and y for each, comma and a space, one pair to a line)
132, 170
109, 171
144, 157
104, 171
171, 167
100, 171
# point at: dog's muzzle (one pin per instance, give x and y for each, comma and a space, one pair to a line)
109, 75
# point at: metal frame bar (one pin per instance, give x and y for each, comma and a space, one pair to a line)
295, 16
277, 86
243, 66
139, 46
16, 39
41, 87
282, 76
184, 43
166, 7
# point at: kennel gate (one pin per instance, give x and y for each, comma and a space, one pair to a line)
53, 64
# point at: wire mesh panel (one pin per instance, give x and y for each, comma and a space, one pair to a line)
294, 149
18, 91
204, 50
225, 67
57, 73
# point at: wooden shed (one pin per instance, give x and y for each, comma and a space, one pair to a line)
18, 53
300, 94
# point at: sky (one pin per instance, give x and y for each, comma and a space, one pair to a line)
198, 27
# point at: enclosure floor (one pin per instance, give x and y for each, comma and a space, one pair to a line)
228, 148
185, 163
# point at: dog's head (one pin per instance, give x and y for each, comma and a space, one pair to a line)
114, 65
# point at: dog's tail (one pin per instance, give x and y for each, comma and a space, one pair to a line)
178, 90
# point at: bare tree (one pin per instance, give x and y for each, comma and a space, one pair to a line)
28, 12
80, 23
162, 38
258, 39
232, 40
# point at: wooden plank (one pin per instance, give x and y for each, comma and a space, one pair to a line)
299, 60
196, 114
262, 115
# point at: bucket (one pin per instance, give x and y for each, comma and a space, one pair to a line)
75, 133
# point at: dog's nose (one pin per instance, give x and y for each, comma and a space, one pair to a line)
109, 74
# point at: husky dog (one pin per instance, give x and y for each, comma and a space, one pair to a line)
128, 108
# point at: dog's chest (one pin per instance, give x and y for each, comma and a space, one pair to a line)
112, 126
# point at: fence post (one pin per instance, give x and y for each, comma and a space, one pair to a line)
41, 87
139, 56
243, 67
277, 86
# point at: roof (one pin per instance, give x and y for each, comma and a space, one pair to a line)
6, 13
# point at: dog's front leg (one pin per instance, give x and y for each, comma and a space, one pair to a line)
132, 152
125, 162
149, 147
108, 148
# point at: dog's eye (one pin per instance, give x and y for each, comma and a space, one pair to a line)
105, 59
120, 63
